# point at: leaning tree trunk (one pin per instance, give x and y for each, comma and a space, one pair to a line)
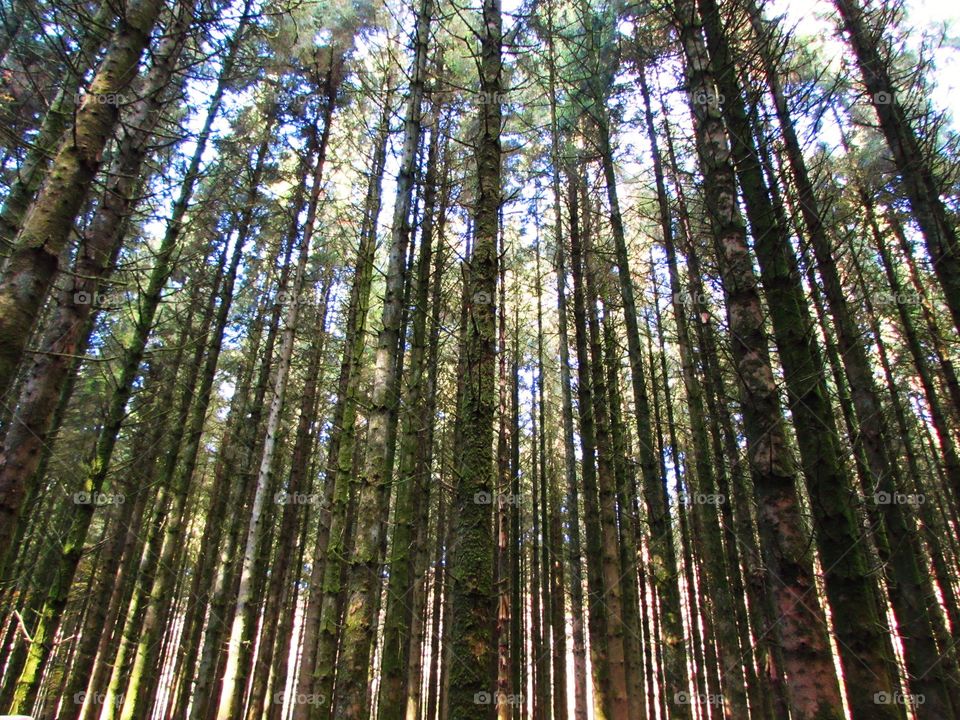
67, 332
32, 267
851, 591
150, 299
918, 179
719, 590
34, 167
176, 484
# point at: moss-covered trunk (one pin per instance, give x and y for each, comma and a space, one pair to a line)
472, 550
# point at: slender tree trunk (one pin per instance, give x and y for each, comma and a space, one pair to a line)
858, 621
33, 169
231, 692
918, 180
423, 460
596, 608
295, 501
472, 551
176, 485
354, 662
663, 561
606, 486
399, 611
570, 467
437, 602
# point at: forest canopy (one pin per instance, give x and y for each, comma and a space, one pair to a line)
449, 359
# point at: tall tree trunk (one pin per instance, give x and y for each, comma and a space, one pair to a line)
596, 608
472, 551
663, 561
330, 530
506, 516
865, 649
719, 589
176, 485
33, 169
424, 451
230, 703
295, 499
351, 697
813, 687
606, 487
570, 460
399, 611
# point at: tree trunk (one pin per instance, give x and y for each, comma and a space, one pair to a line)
230, 703
32, 267
918, 180
814, 692
472, 551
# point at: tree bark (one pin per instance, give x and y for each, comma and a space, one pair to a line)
472, 551
32, 267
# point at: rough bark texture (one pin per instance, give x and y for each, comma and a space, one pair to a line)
472, 551
32, 267
813, 689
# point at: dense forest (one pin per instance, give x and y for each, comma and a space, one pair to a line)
440, 359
